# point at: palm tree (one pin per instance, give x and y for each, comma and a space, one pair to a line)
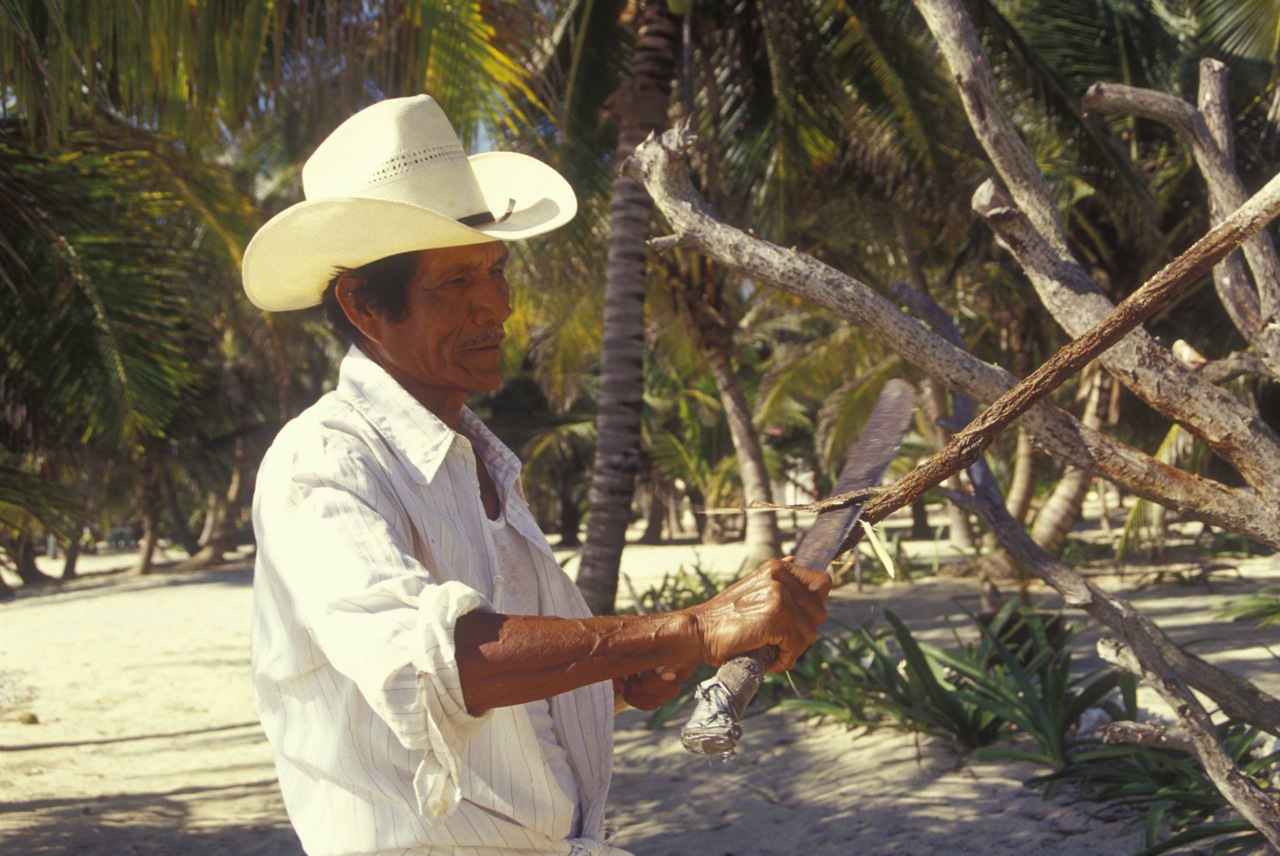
640, 107
130, 352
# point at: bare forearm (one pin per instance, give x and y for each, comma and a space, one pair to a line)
512, 659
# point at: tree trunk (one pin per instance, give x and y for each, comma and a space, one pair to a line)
920, 529
223, 538
641, 108
181, 532
655, 518
763, 540
1062, 508
960, 530
715, 341
69, 561
22, 553
150, 502
1023, 483
211, 516
570, 513
1021, 334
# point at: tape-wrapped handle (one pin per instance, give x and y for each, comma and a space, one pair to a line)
713, 727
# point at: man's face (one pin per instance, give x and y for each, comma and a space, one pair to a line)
447, 346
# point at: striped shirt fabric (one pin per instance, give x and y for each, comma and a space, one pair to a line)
372, 542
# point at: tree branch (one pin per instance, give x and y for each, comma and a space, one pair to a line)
1066, 290
1149, 652
660, 165
1207, 132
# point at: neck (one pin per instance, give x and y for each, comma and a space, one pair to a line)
444, 405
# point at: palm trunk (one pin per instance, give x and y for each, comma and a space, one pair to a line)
641, 108
1062, 508
1021, 337
22, 553
223, 536
150, 502
656, 517
181, 532
1024, 477
960, 529
763, 540
570, 514
69, 561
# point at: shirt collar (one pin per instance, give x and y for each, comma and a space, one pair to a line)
414, 433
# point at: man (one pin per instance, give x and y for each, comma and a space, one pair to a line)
430, 680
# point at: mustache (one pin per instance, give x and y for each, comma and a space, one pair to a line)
485, 339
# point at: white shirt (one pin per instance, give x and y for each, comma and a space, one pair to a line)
372, 542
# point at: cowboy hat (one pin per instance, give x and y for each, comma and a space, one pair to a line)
391, 179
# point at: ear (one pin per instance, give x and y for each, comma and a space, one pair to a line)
368, 322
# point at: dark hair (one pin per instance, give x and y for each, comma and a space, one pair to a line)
382, 288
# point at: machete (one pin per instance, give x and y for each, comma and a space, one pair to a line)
713, 729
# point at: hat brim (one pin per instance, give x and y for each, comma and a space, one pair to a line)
293, 256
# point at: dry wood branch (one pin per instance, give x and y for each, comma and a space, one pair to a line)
660, 164
1207, 132
1230, 428
1172, 280
1237, 294
1148, 734
1158, 661
1233, 365
999, 137
1076, 302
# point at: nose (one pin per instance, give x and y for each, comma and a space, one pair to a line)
492, 303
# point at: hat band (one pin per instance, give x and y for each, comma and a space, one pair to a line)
484, 218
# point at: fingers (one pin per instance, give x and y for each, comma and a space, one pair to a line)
777, 604
652, 689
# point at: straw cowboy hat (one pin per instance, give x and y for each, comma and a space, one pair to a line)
391, 179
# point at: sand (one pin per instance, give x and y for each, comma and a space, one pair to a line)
145, 740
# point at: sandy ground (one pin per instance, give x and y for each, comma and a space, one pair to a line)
145, 740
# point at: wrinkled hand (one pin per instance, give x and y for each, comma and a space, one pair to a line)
652, 689
778, 604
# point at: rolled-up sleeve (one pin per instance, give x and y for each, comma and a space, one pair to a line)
337, 538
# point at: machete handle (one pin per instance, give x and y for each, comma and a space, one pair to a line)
713, 728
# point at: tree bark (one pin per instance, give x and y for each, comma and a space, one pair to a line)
1022, 486
21, 551
1062, 509
226, 527
570, 513
1029, 228
70, 559
960, 531
1147, 651
641, 108
149, 505
661, 166
715, 341
181, 532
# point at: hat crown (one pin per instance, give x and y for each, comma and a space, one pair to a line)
394, 179
399, 150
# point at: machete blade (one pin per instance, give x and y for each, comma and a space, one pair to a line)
713, 727
864, 466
